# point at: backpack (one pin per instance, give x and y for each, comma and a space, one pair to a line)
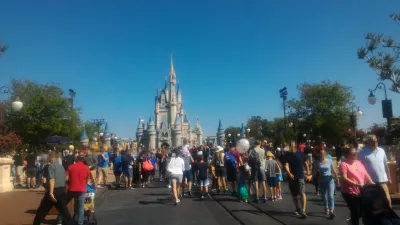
254, 159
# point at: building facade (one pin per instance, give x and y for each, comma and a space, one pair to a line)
169, 123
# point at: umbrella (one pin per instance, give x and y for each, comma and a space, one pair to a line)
57, 140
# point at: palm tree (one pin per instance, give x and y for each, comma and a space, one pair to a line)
3, 48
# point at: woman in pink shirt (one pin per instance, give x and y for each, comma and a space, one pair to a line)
353, 177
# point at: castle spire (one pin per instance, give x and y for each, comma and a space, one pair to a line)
172, 71
166, 84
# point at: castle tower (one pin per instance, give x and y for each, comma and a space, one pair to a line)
199, 133
139, 131
152, 134
177, 132
220, 134
84, 138
172, 96
189, 141
157, 108
242, 132
178, 97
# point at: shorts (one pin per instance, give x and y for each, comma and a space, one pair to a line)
231, 174
220, 171
188, 175
204, 182
297, 186
128, 173
176, 177
273, 181
20, 170
145, 175
258, 175
31, 172
93, 173
117, 173
102, 171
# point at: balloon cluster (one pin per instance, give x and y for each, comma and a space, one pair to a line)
243, 145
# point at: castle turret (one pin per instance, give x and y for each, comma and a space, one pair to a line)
177, 132
199, 133
189, 134
178, 96
152, 134
242, 132
139, 131
84, 138
172, 95
220, 134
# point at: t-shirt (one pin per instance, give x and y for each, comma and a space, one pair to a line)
18, 160
374, 163
117, 163
78, 174
325, 169
296, 162
271, 167
101, 162
188, 162
127, 161
202, 167
176, 166
356, 173
31, 161
261, 156
57, 172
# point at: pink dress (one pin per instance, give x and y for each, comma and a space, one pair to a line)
355, 172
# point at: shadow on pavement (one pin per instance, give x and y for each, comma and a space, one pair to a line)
252, 211
31, 211
157, 194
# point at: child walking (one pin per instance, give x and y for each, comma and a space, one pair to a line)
279, 185
273, 171
243, 180
202, 176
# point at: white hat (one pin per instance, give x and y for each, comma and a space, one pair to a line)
219, 148
200, 153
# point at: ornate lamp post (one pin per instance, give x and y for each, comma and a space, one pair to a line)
354, 116
16, 104
248, 132
387, 111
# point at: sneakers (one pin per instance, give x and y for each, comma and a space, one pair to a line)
331, 215
100, 186
169, 186
202, 197
326, 211
279, 197
348, 222
303, 215
190, 193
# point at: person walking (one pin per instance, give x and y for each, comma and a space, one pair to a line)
91, 162
202, 175
258, 170
102, 168
353, 177
55, 192
116, 166
326, 174
272, 172
187, 174
375, 162
31, 170
220, 169
127, 168
175, 167
295, 162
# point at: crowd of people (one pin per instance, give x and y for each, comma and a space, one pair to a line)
256, 175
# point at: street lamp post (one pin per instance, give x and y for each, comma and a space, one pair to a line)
16, 104
248, 132
387, 111
283, 94
355, 115
294, 126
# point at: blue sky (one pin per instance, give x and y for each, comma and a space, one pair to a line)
231, 57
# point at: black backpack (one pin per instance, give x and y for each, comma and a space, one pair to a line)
254, 159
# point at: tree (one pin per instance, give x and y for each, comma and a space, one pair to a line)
255, 123
91, 129
385, 60
46, 112
3, 48
379, 130
233, 131
322, 108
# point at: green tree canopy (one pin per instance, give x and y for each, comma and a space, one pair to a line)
322, 110
383, 55
46, 112
91, 129
232, 130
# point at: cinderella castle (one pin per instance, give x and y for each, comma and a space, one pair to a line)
169, 123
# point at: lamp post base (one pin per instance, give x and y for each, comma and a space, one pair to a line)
5, 172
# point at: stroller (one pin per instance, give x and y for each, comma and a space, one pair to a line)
376, 210
90, 218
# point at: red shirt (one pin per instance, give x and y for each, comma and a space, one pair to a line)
78, 174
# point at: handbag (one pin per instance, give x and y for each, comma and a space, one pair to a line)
147, 166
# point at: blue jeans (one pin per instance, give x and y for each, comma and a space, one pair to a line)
327, 189
79, 198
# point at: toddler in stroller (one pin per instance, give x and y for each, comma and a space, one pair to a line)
90, 218
376, 210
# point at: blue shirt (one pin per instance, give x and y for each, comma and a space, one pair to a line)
153, 160
101, 162
374, 163
325, 169
117, 163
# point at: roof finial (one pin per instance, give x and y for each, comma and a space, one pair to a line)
172, 72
